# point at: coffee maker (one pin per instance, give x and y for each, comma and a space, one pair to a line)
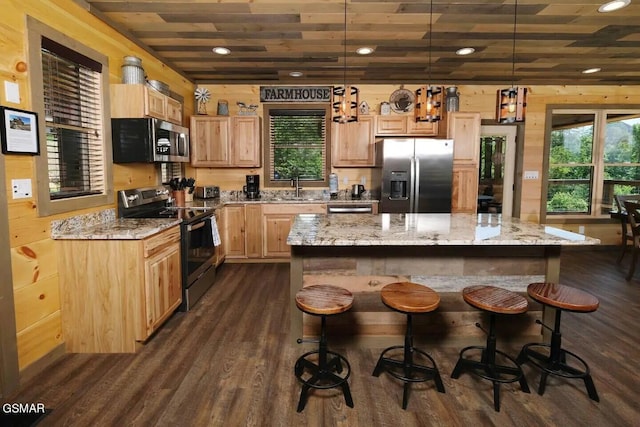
252, 189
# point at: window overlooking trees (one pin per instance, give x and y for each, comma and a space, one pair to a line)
69, 83
593, 154
297, 136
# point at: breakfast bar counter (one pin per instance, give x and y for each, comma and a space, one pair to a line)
446, 252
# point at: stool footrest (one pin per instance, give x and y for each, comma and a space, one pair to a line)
391, 366
491, 371
323, 377
557, 365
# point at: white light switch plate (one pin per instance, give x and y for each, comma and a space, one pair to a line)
530, 174
21, 188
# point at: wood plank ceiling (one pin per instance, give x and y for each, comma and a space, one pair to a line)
555, 40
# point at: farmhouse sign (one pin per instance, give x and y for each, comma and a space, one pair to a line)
295, 93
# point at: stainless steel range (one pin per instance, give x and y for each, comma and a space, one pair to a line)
197, 236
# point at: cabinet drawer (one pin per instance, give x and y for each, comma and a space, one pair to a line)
160, 240
293, 208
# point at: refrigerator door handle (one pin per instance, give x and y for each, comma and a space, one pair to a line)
412, 191
416, 195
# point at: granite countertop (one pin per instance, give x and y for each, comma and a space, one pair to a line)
117, 229
425, 230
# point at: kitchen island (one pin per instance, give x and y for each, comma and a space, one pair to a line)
446, 252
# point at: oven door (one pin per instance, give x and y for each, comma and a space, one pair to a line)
198, 260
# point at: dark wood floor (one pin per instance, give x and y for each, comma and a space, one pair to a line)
229, 363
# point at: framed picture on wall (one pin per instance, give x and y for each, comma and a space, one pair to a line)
19, 131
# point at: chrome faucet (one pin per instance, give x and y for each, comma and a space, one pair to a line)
295, 182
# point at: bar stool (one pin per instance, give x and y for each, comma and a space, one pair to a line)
409, 298
553, 360
323, 301
494, 301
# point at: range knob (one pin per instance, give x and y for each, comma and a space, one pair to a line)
163, 192
132, 197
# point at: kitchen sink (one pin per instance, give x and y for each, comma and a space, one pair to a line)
296, 199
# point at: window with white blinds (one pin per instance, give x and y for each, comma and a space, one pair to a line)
298, 138
73, 121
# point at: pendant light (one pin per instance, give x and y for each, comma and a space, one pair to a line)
511, 104
345, 98
428, 98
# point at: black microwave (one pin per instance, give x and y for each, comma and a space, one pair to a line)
148, 140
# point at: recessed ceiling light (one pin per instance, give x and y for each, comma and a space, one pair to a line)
221, 50
296, 74
613, 5
465, 51
591, 70
364, 50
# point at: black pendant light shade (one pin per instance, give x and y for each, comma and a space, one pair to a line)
345, 98
512, 102
428, 98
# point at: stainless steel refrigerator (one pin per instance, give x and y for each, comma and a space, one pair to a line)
416, 174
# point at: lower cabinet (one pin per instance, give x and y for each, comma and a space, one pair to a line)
116, 293
243, 231
464, 197
277, 220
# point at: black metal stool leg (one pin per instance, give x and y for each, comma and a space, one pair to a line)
411, 371
556, 362
487, 368
322, 372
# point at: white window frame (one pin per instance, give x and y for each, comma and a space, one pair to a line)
46, 206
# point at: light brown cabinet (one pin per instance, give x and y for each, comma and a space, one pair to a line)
277, 220
464, 129
464, 194
222, 141
163, 286
138, 100
243, 231
116, 293
404, 125
353, 144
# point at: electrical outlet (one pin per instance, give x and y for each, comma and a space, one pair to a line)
530, 174
581, 229
21, 188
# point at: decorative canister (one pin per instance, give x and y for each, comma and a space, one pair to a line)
132, 71
453, 99
385, 108
223, 107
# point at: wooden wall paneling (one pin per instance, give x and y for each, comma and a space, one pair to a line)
33, 262
26, 229
37, 340
36, 301
9, 367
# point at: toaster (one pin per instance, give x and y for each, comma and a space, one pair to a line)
207, 192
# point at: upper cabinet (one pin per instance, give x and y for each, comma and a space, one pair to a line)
353, 144
138, 100
464, 129
404, 125
223, 141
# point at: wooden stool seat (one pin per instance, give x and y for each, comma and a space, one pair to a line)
322, 368
408, 297
563, 297
324, 299
494, 299
551, 358
408, 366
